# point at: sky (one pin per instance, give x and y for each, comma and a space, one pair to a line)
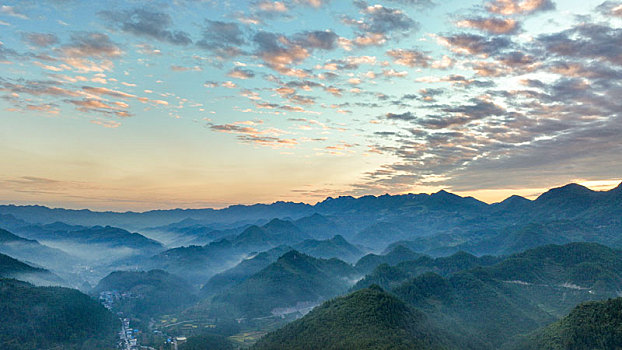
136, 105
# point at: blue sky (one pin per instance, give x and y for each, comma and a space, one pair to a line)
189, 103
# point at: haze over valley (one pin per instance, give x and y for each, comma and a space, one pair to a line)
233, 275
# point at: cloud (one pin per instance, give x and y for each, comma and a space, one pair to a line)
38, 88
12, 11
85, 47
517, 7
110, 124
588, 41
393, 73
383, 20
105, 91
410, 58
370, 39
271, 6
312, 3
279, 53
5, 52
415, 3
378, 24
491, 25
222, 38
325, 40
406, 116
457, 80
91, 44
240, 73
40, 39
478, 110
88, 105
611, 8
176, 68
146, 23
472, 44
248, 132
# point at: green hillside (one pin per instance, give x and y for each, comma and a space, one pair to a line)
52, 317
367, 319
336, 247
391, 276
10, 266
396, 255
243, 270
518, 295
294, 278
590, 326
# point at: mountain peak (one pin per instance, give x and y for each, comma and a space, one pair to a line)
515, 198
279, 224
339, 239
570, 191
617, 189
293, 255
443, 193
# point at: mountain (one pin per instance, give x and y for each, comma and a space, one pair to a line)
53, 317
243, 270
13, 268
323, 227
336, 247
94, 246
149, 293
396, 255
199, 263
367, 319
192, 232
294, 281
589, 326
379, 234
135, 220
518, 295
567, 201
106, 235
440, 223
511, 204
196, 264
35, 253
10, 222
388, 276
10, 266
441, 200
272, 234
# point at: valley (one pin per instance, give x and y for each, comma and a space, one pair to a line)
493, 274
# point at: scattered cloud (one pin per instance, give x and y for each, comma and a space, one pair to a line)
491, 25
514, 7
222, 38
12, 11
146, 23
40, 39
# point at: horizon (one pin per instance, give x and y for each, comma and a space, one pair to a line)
598, 186
158, 104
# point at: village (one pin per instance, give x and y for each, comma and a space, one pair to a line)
128, 336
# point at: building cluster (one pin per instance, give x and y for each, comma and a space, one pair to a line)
109, 297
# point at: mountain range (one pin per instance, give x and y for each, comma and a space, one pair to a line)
453, 272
